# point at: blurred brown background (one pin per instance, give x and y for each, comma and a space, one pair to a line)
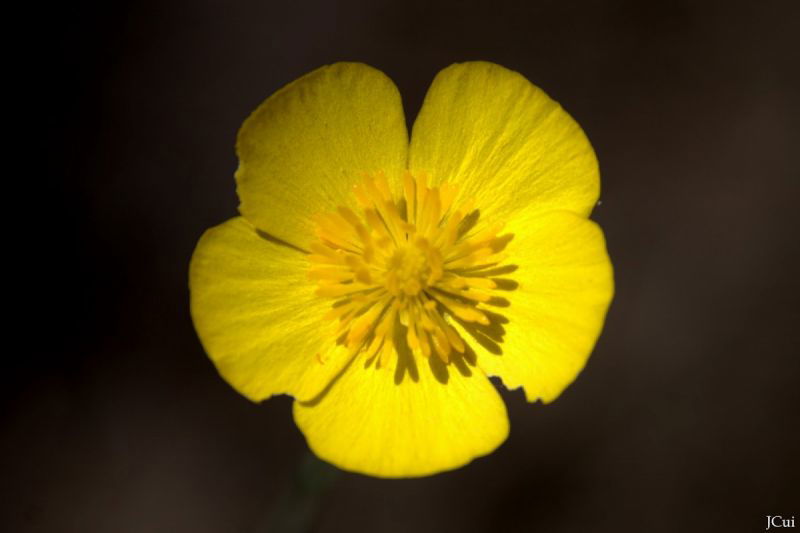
686, 418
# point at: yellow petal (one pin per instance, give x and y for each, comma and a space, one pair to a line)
557, 311
304, 148
503, 142
403, 421
256, 314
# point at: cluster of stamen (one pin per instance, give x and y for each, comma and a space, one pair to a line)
407, 266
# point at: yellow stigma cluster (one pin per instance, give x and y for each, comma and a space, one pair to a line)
405, 269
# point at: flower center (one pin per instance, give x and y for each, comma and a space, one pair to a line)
412, 268
407, 270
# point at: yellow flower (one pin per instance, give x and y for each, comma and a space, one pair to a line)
380, 281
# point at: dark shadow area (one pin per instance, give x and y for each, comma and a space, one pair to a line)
490, 336
406, 362
439, 369
468, 222
267, 237
505, 284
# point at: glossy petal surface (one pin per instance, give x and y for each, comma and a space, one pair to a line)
503, 142
412, 419
304, 148
556, 312
257, 316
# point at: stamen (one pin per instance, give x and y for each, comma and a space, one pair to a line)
407, 262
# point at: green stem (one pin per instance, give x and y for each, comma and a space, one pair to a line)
296, 509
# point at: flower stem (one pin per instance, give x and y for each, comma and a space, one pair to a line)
296, 509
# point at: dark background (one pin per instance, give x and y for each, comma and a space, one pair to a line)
686, 418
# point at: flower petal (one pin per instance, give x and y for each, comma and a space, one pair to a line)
557, 311
503, 142
410, 421
302, 150
257, 316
